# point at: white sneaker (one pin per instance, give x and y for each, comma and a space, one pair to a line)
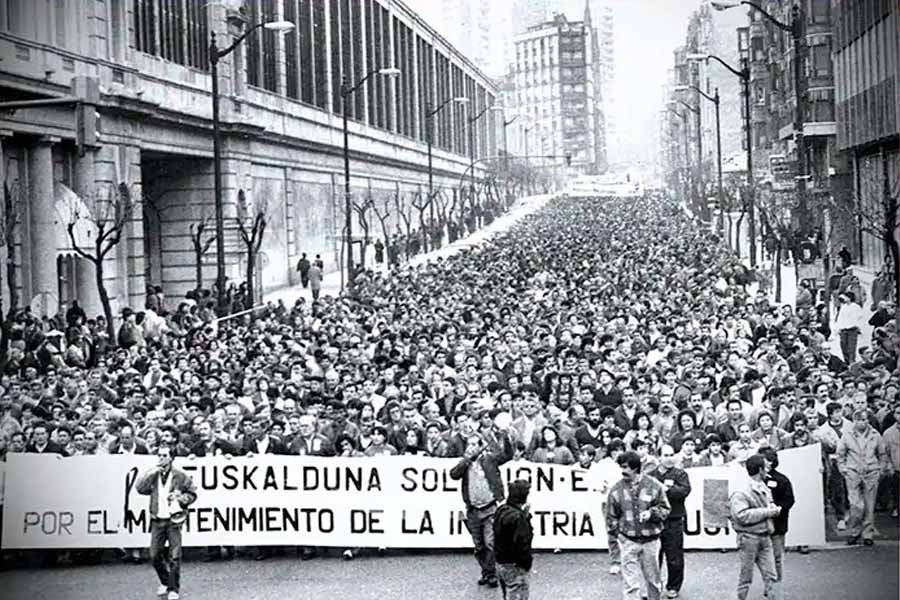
841, 525
173, 595
348, 554
162, 590
614, 570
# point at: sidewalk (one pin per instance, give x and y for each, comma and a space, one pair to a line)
331, 282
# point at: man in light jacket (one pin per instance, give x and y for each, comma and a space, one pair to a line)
861, 459
890, 439
752, 510
171, 492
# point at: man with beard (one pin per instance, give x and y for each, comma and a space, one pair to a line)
589, 432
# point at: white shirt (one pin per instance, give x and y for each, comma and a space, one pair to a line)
850, 316
262, 445
164, 508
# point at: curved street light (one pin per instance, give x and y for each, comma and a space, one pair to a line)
430, 114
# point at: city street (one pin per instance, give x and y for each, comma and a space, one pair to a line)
841, 573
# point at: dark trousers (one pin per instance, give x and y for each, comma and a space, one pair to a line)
481, 528
836, 491
304, 280
849, 339
672, 548
315, 293
166, 560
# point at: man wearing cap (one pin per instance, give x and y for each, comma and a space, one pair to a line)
482, 490
512, 539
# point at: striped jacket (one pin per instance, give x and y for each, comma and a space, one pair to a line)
628, 499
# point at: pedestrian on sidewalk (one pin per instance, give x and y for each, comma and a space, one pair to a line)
303, 266
171, 492
751, 512
315, 280
636, 513
849, 324
512, 541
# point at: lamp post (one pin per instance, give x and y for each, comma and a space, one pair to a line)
346, 91
430, 135
797, 30
526, 131
472, 121
215, 54
715, 100
744, 75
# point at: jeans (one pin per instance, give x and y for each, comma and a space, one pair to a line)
672, 548
849, 339
836, 491
166, 561
316, 290
513, 581
615, 553
778, 554
481, 528
640, 563
861, 491
756, 550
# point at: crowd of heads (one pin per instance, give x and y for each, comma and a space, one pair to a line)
590, 328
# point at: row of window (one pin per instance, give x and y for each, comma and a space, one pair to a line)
852, 18
364, 37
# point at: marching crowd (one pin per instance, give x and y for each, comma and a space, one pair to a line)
588, 329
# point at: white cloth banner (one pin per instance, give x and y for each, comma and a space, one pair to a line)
399, 502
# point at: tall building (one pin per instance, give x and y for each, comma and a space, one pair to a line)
867, 103
466, 25
556, 93
145, 76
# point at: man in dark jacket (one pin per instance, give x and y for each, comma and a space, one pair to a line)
303, 266
482, 490
512, 540
678, 487
783, 496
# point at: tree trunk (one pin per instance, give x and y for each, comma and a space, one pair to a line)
104, 300
11, 275
199, 265
777, 273
251, 264
895, 259
737, 238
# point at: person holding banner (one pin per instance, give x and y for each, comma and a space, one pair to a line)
171, 492
783, 496
482, 490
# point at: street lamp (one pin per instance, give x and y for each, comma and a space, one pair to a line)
744, 75
472, 121
346, 91
715, 100
796, 29
460, 100
215, 54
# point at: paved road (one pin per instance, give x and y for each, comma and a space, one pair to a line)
844, 573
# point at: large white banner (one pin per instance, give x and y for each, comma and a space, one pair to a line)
399, 502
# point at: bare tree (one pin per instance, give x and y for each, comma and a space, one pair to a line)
201, 243
874, 210
362, 217
251, 224
107, 218
403, 212
775, 209
9, 221
421, 202
383, 215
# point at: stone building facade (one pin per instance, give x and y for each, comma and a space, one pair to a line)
281, 130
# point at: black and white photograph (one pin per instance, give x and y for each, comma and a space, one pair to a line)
449, 299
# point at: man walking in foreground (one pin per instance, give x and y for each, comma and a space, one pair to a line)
171, 491
752, 510
512, 541
678, 487
782, 496
482, 490
636, 512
